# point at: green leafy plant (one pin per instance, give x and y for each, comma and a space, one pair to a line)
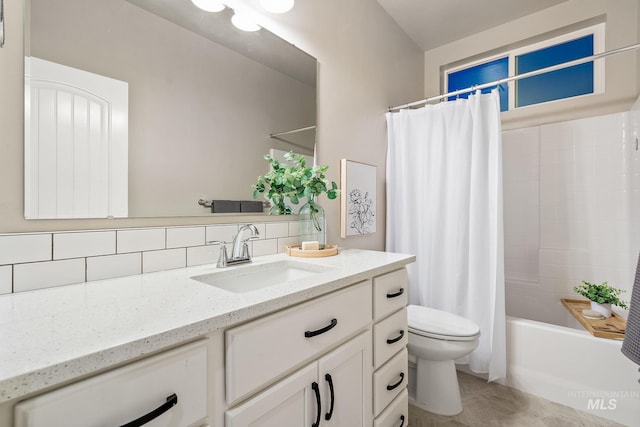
602, 293
293, 180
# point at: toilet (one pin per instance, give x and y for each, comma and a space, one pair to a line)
436, 340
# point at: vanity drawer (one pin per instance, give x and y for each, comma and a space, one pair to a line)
126, 394
396, 414
389, 381
389, 293
389, 337
261, 351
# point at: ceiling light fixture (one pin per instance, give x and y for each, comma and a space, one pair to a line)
244, 23
277, 6
209, 5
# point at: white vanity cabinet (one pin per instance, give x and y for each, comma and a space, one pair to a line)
166, 390
390, 338
261, 351
333, 391
362, 379
328, 355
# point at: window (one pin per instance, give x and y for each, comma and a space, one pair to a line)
479, 74
578, 80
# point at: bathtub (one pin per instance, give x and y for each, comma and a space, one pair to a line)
573, 368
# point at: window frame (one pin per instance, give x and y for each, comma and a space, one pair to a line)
598, 32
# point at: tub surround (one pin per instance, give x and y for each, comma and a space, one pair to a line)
52, 336
571, 209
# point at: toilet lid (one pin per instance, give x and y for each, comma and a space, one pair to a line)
434, 323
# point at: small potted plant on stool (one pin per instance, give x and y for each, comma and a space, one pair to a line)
602, 296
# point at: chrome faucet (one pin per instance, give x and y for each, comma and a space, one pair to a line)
241, 245
240, 252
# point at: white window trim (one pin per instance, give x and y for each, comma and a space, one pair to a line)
598, 32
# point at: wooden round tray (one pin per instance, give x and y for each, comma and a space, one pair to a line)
329, 250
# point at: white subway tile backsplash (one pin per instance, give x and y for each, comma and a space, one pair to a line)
287, 241
276, 229
140, 240
6, 279
27, 260
38, 275
223, 233
294, 228
199, 255
164, 260
83, 244
265, 247
20, 248
106, 267
181, 237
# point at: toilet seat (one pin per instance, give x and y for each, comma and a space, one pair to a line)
431, 323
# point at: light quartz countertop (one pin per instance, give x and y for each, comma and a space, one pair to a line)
55, 335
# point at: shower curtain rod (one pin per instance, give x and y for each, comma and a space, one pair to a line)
518, 77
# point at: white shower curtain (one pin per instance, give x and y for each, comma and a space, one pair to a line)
444, 204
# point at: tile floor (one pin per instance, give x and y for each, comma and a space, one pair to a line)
494, 405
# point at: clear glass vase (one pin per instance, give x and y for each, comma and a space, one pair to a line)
311, 223
280, 209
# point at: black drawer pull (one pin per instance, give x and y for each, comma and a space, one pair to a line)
309, 334
329, 414
396, 385
396, 339
402, 420
397, 294
170, 403
316, 390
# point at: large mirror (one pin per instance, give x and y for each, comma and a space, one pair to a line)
203, 100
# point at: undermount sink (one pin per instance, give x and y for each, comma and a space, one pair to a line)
259, 276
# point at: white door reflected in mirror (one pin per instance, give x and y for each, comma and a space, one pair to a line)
76, 143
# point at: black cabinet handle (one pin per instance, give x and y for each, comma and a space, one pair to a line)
309, 334
316, 390
170, 403
329, 414
397, 294
396, 339
396, 385
402, 420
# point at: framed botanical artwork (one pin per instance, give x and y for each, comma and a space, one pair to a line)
358, 198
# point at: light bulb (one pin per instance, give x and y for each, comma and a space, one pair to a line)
243, 23
277, 6
209, 5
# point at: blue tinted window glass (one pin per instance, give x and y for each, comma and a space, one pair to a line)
564, 83
482, 73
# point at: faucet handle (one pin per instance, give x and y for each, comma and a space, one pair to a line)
222, 257
245, 246
216, 242
245, 250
